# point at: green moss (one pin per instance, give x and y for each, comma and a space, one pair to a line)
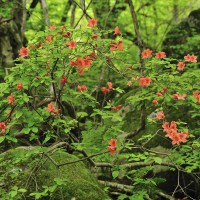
39, 173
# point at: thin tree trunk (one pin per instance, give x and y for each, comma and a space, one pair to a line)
32, 6
73, 12
67, 8
142, 66
11, 34
45, 11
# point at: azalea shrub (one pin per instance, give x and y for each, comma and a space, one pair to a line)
76, 87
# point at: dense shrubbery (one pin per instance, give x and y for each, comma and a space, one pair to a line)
68, 89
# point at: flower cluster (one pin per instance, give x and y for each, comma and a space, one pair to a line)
110, 87
117, 31
52, 109
116, 46
11, 99
160, 54
112, 146
81, 88
147, 53
116, 108
19, 86
2, 127
197, 96
173, 134
63, 80
81, 64
49, 38
145, 81
71, 44
23, 52
190, 58
160, 115
180, 66
178, 96
161, 93
67, 34
92, 23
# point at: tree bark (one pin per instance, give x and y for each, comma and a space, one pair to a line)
12, 29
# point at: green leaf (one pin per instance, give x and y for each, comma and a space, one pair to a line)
115, 174
47, 138
82, 114
119, 90
58, 181
157, 160
34, 129
26, 130
13, 193
2, 138
40, 34
22, 190
18, 114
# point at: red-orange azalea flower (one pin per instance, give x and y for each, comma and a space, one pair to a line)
11, 99
116, 46
19, 86
112, 146
2, 127
52, 27
181, 66
197, 96
81, 88
173, 134
160, 54
145, 81
23, 52
104, 90
92, 23
51, 109
67, 34
63, 80
95, 36
117, 31
160, 115
190, 58
147, 53
109, 84
49, 38
155, 101
179, 96
71, 44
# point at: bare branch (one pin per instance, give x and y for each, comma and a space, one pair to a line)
84, 13
120, 187
113, 7
82, 159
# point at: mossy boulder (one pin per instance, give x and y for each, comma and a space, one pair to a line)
30, 174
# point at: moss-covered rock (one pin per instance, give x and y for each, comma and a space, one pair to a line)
42, 179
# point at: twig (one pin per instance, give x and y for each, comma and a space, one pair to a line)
84, 13
82, 159
120, 187
106, 20
166, 196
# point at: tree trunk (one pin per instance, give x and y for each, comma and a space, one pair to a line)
12, 27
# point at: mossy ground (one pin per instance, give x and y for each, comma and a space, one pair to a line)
36, 173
